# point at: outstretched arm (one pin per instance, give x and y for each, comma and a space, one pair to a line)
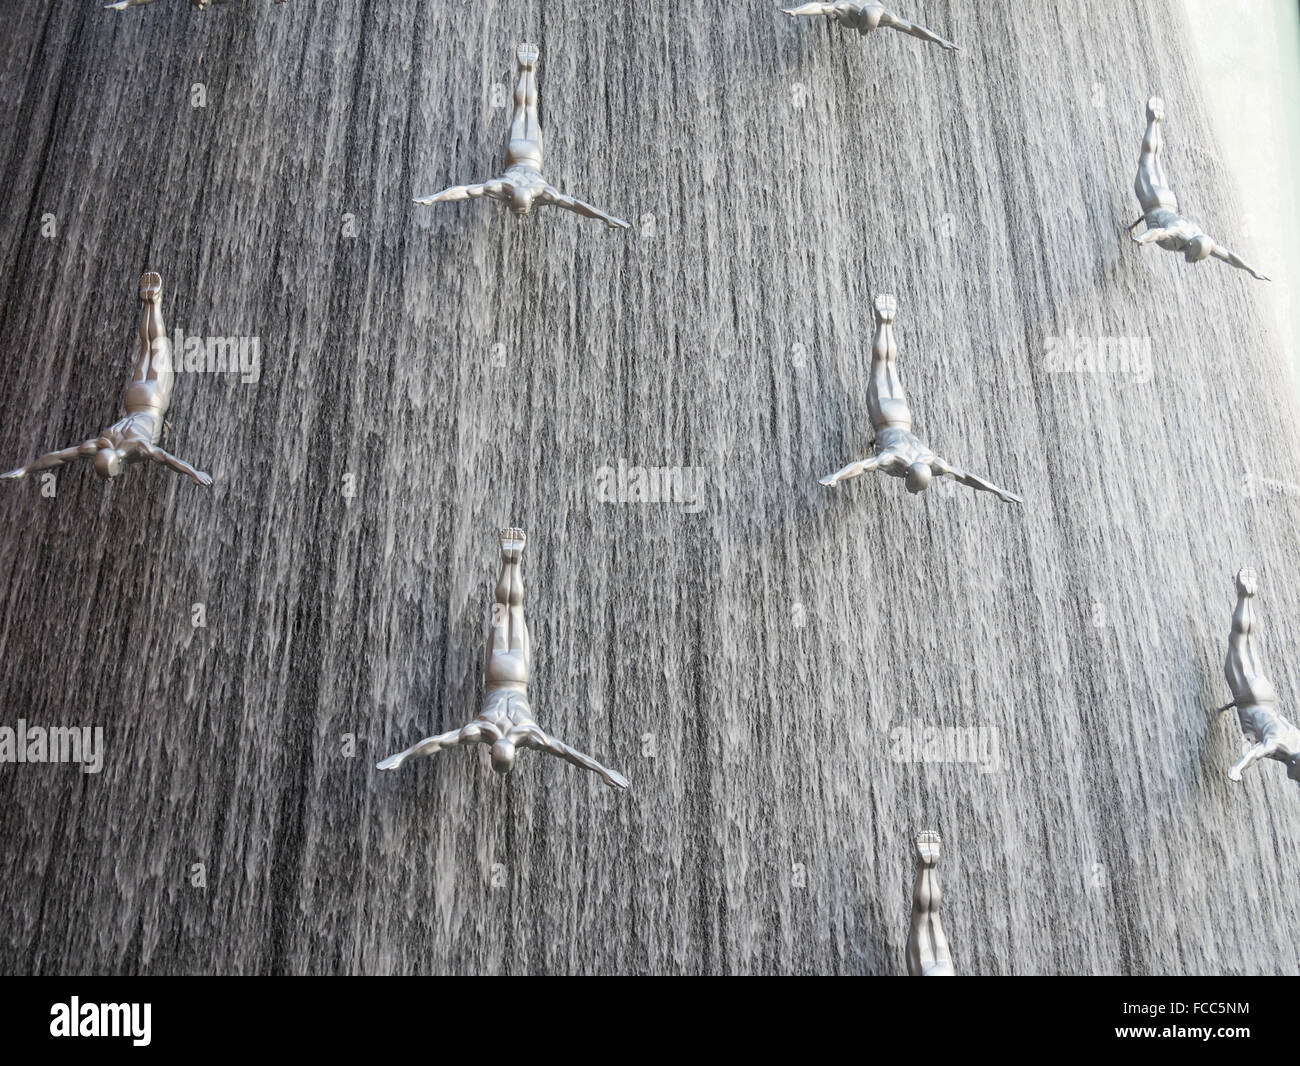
901, 24
572, 203
542, 742
810, 9
456, 192
862, 466
427, 746
150, 451
1259, 751
82, 451
1232, 259
122, 5
944, 469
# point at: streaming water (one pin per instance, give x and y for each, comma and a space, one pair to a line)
764, 661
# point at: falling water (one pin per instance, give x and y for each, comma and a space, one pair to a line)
763, 662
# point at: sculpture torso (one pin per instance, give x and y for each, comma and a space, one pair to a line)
1184, 229
899, 449
147, 397
1262, 723
505, 712
139, 427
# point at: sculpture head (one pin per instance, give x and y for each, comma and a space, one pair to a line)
521, 201
919, 475
1198, 248
108, 463
503, 755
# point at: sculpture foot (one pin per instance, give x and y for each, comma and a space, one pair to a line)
1247, 582
527, 54
150, 287
886, 307
928, 843
1155, 109
512, 545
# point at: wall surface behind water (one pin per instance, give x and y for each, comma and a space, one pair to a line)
1248, 58
749, 666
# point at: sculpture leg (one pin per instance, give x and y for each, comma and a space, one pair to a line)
152, 375
1151, 186
526, 126
509, 630
927, 947
1244, 667
154, 362
885, 397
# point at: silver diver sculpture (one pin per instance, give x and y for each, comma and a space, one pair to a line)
147, 396
202, 5
1252, 693
506, 722
897, 452
522, 185
866, 17
927, 947
1164, 225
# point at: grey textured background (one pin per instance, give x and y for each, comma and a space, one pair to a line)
762, 649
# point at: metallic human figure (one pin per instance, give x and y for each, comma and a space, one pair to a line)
1252, 693
865, 17
506, 722
202, 5
927, 947
1164, 225
522, 185
898, 452
145, 401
